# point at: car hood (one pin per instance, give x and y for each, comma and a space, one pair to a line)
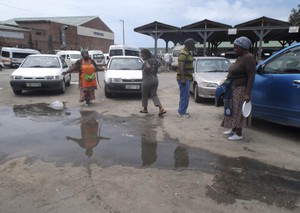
36, 72
216, 77
124, 74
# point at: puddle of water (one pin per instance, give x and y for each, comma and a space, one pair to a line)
84, 137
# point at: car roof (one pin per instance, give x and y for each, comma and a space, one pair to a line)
125, 56
210, 57
41, 55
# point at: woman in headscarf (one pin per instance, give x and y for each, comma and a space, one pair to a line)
150, 82
241, 74
87, 69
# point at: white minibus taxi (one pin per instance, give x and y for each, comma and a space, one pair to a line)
12, 56
115, 50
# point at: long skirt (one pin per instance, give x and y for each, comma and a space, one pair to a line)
87, 94
237, 120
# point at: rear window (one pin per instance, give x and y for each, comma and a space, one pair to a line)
20, 55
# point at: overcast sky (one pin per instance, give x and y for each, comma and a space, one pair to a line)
136, 13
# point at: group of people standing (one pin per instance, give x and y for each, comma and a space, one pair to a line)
241, 74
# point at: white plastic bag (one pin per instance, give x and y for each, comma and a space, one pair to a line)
58, 105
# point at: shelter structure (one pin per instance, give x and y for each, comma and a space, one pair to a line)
211, 34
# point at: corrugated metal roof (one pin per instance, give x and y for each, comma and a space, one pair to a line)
5, 27
69, 20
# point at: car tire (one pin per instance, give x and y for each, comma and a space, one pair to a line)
68, 83
1, 67
107, 94
196, 94
17, 92
63, 88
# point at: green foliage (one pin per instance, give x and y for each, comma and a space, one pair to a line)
294, 18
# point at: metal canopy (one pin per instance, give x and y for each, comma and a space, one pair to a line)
211, 34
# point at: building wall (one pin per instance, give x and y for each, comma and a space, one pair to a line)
8, 38
46, 36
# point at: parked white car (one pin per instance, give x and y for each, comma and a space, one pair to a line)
41, 72
123, 75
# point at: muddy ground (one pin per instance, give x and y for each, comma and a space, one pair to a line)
141, 162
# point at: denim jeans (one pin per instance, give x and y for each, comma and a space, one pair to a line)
184, 96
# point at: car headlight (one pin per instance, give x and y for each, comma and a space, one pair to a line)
16, 77
114, 80
209, 84
55, 77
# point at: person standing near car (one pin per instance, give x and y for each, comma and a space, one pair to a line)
167, 61
185, 76
150, 82
87, 69
241, 74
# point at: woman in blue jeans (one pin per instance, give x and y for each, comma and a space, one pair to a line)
185, 76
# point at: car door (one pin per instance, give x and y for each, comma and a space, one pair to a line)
276, 90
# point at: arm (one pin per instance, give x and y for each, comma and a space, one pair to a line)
75, 67
251, 70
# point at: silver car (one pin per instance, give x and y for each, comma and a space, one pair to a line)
208, 73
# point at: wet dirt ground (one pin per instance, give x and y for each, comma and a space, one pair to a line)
105, 159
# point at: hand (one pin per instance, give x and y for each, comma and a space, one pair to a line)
183, 82
247, 98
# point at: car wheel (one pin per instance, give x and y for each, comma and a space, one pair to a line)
107, 94
1, 67
17, 92
63, 89
68, 82
196, 94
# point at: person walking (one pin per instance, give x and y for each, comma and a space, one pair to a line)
87, 69
185, 76
241, 74
150, 82
167, 59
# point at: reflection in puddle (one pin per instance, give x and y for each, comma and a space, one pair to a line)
90, 132
85, 137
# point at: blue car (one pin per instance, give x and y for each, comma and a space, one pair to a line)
276, 89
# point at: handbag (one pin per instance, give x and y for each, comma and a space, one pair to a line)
89, 77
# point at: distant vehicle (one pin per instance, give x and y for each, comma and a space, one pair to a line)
208, 74
106, 57
97, 56
70, 56
276, 88
230, 55
41, 72
264, 54
12, 56
123, 75
115, 50
175, 54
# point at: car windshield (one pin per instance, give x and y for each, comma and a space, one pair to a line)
125, 64
41, 61
212, 65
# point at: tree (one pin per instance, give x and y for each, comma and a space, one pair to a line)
294, 18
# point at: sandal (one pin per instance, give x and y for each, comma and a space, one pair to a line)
143, 111
162, 111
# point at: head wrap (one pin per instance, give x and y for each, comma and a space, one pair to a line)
84, 51
243, 42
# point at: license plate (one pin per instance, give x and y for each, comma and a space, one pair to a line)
33, 84
132, 86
